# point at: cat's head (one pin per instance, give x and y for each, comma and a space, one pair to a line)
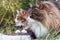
21, 18
38, 11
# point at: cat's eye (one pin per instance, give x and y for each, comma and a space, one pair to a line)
18, 18
23, 20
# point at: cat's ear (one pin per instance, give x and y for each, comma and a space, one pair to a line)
26, 14
17, 11
38, 3
31, 5
21, 11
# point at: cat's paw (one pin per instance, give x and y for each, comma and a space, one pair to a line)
17, 31
24, 31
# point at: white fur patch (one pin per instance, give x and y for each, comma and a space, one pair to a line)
24, 31
17, 31
38, 28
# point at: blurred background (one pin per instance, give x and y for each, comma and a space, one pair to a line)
8, 10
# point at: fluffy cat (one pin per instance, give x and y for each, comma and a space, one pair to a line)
41, 18
47, 13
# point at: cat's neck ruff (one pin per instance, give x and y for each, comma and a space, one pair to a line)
38, 28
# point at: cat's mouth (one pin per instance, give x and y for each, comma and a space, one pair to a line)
20, 27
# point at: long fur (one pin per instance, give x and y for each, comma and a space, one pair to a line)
45, 16
48, 14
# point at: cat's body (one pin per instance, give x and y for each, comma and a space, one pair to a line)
42, 17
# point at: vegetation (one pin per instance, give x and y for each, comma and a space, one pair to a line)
7, 13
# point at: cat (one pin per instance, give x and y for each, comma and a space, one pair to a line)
41, 18
23, 19
47, 13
